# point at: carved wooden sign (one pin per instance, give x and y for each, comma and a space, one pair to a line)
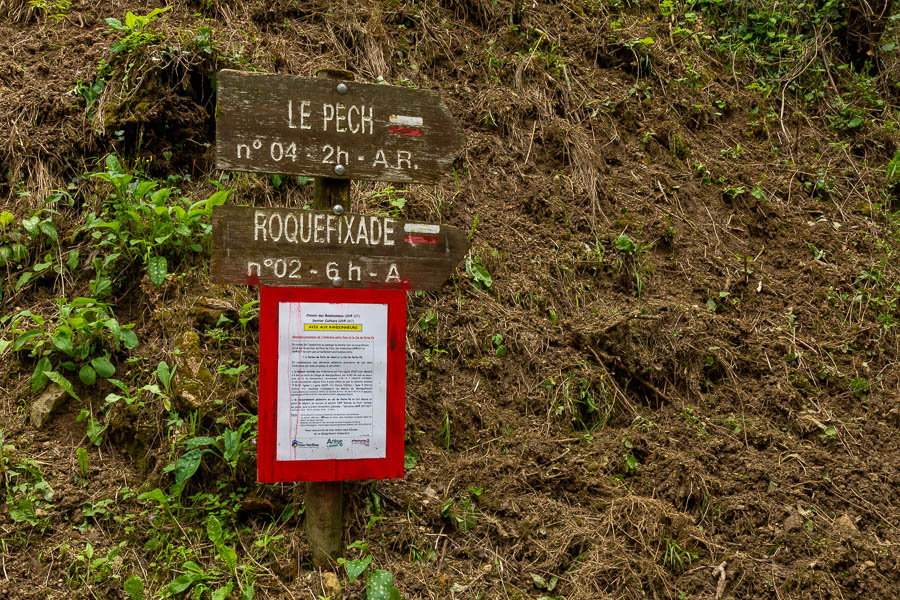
286, 124
309, 248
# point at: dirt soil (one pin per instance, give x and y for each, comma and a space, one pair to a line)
712, 411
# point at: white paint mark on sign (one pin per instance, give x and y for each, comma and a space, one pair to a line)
406, 121
421, 228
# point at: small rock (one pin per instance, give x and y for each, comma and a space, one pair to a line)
793, 522
844, 527
332, 586
49, 401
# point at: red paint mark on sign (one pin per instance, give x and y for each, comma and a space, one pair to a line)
408, 131
420, 239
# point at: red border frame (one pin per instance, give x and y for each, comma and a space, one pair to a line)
271, 470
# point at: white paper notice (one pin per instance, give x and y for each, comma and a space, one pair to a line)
332, 381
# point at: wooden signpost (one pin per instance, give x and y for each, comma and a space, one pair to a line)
332, 356
286, 247
328, 128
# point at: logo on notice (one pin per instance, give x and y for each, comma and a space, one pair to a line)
364, 442
299, 444
334, 443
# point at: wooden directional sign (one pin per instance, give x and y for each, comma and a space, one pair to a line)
307, 248
285, 124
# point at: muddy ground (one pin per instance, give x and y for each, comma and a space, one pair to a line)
680, 383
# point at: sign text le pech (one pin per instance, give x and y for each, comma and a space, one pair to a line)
321, 127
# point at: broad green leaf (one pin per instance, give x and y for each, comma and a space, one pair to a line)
103, 366
62, 339
4, 344
87, 375
39, 377
157, 269
134, 587
31, 225
214, 530
6, 218
25, 278
182, 583
114, 328
187, 465
49, 230
129, 339
117, 25
222, 592
164, 374
231, 440
355, 568
62, 382
144, 187
199, 442
95, 431
72, 260
410, 459
228, 556
155, 494
23, 339
112, 163
380, 586
893, 168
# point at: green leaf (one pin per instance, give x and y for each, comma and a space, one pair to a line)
380, 586
893, 168
25, 278
72, 260
198, 442
214, 530
39, 377
129, 339
164, 374
4, 344
625, 244
103, 366
410, 459
7, 217
134, 587
157, 269
355, 568
87, 375
117, 25
228, 556
62, 339
187, 465
23, 339
182, 583
231, 440
95, 431
144, 187
49, 229
222, 592
62, 382
31, 225
155, 494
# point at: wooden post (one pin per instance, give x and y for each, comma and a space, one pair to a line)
325, 499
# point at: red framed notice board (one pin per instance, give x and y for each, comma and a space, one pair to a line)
332, 384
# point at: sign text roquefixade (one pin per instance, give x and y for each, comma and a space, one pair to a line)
286, 124
307, 248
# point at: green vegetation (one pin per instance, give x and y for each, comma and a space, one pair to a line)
681, 302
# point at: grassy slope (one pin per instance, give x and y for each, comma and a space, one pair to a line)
690, 223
